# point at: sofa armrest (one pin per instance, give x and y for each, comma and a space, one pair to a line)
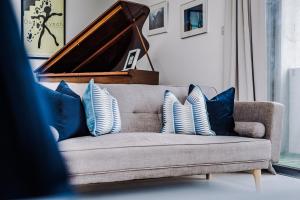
270, 114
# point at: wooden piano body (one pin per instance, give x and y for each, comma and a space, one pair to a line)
101, 49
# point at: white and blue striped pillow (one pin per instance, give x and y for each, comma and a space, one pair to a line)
197, 99
117, 118
190, 118
102, 111
184, 118
168, 113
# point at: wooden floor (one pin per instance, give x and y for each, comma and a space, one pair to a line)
220, 186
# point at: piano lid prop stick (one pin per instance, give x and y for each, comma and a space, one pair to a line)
143, 44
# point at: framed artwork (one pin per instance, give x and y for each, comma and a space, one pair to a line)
43, 27
193, 18
158, 18
132, 59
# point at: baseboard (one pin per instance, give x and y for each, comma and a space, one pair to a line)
287, 171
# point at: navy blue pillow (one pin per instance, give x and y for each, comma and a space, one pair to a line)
220, 110
82, 129
64, 112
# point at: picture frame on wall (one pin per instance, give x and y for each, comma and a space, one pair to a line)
132, 59
193, 18
158, 18
43, 27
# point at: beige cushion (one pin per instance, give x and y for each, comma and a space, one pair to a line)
250, 129
139, 151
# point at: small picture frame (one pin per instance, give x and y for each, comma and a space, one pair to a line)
132, 59
158, 18
43, 27
193, 18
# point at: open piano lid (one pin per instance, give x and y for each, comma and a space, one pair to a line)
104, 45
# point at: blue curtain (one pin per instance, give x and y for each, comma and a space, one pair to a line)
31, 165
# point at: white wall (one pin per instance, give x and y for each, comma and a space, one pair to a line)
197, 59
80, 14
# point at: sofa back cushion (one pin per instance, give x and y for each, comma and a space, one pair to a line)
140, 105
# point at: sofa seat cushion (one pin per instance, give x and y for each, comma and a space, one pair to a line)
138, 151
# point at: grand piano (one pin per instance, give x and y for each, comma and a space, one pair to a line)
101, 49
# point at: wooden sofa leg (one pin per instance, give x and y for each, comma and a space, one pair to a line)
257, 176
208, 176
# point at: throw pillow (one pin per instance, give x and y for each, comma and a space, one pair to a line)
54, 133
250, 129
178, 118
116, 116
102, 111
197, 99
220, 109
82, 128
64, 112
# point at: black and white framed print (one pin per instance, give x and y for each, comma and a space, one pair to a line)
193, 18
132, 59
158, 18
43, 27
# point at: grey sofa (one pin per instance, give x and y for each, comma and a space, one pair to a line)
141, 152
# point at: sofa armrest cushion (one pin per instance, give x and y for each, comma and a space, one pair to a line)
250, 129
270, 114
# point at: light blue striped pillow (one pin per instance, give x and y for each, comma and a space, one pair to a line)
190, 118
197, 99
168, 113
102, 110
184, 118
117, 118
